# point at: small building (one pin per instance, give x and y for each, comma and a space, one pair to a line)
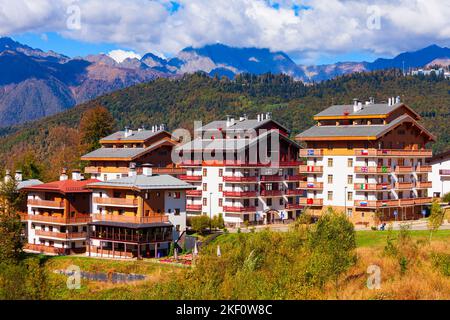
440, 174
137, 216
57, 215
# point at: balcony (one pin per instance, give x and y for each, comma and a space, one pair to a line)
304, 168
240, 179
271, 178
294, 178
423, 184
171, 171
155, 218
311, 202
372, 186
311, 185
239, 194
424, 169
251, 164
311, 152
444, 172
190, 178
193, 207
238, 209
43, 249
392, 153
403, 185
191, 163
271, 193
194, 193
46, 203
59, 219
391, 202
403, 169
294, 192
294, 206
423, 200
372, 169
97, 170
119, 202
61, 235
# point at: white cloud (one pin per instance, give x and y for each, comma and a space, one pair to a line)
327, 27
120, 55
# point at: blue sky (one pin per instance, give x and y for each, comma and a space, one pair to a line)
309, 31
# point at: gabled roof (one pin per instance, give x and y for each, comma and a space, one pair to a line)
143, 182
28, 183
371, 110
125, 154
137, 135
356, 132
64, 186
440, 157
242, 126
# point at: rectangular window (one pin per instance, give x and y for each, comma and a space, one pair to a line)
177, 195
330, 195
349, 196
349, 179
205, 172
349, 212
330, 162
177, 212
220, 202
220, 187
350, 162
256, 202
330, 178
269, 202
205, 201
205, 187
220, 172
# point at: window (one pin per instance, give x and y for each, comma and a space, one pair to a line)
220, 172
349, 179
349, 196
169, 211
177, 212
330, 162
362, 214
330, 195
177, 228
220, 187
205, 172
256, 202
350, 162
117, 176
330, 178
349, 212
220, 202
281, 201
205, 187
269, 202
205, 201
177, 195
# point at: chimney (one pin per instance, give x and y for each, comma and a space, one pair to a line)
268, 115
76, 175
162, 127
7, 176
230, 121
258, 118
147, 169
18, 176
128, 132
63, 175
356, 105
132, 169
372, 100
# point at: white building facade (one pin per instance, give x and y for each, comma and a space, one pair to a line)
440, 174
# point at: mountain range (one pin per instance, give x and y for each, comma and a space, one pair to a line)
35, 84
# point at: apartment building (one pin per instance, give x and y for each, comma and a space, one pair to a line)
367, 160
124, 151
137, 216
245, 169
57, 215
440, 174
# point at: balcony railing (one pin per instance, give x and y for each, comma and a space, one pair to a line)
96, 170
195, 193
271, 178
423, 200
403, 169
294, 206
46, 203
294, 192
311, 202
123, 202
294, 178
239, 194
391, 202
240, 179
403, 185
271, 193
238, 209
372, 169
304, 168
59, 219
444, 172
423, 184
190, 163
190, 178
392, 153
61, 235
311, 185
311, 152
421, 169
371, 186
194, 207
171, 171
43, 249
155, 218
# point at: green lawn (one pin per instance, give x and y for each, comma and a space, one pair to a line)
377, 238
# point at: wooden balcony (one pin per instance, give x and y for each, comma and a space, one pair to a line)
444, 172
307, 169
119, 202
294, 192
238, 209
97, 170
372, 169
37, 203
423, 184
294, 206
193, 207
61, 235
240, 194
274, 178
170, 171
59, 219
403, 185
423, 200
311, 202
311, 185
391, 202
403, 169
190, 178
371, 186
271, 193
155, 218
294, 178
392, 153
251, 164
311, 152
194, 193
424, 169
191, 163
240, 179
44, 249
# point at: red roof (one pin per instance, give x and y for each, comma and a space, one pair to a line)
64, 186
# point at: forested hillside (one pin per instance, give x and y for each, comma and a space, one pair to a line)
53, 142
